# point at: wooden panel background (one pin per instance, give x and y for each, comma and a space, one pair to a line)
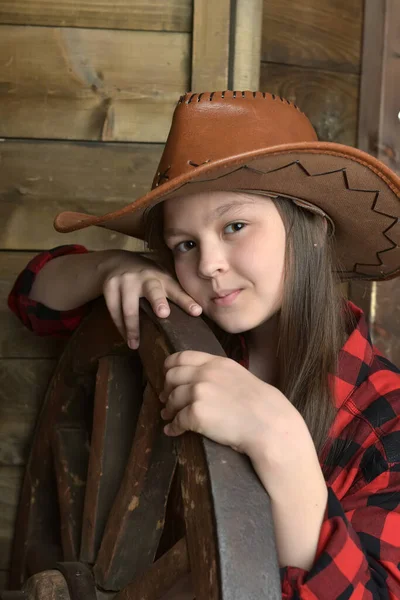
379, 134
87, 91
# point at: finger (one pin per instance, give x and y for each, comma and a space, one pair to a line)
181, 298
184, 421
154, 291
187, 357
130, 311
179, 376
177, 400
112, 297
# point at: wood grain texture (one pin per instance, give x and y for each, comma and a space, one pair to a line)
117, 404
22, 388
325, 34
211, 41
90, 84
10, 484
330, 100
39, 179
149, 15
247, 47
389, 144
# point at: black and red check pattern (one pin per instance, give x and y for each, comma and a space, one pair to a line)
358, 553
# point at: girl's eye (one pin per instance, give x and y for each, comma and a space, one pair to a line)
236, 227
184, 247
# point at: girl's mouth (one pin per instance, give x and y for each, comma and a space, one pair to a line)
227, 300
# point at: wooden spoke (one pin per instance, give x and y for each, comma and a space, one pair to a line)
166, 573
111, 507
70, 451
136, 521
118, 397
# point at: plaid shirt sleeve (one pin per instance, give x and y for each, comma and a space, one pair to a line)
358, 550
37, 317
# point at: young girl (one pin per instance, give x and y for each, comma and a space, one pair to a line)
254, 223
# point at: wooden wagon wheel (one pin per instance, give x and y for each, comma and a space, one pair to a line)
101, 505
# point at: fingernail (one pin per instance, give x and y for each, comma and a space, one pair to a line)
195, 309
163, 310
133, 344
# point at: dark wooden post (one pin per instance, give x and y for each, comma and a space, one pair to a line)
379, 134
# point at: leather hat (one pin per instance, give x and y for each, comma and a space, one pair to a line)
259, 142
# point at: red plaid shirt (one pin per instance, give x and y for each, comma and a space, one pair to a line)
358, 552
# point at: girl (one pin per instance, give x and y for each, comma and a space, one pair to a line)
254, 222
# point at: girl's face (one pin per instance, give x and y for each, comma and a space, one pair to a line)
228, 244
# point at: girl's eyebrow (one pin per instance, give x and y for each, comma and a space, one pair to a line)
218, 212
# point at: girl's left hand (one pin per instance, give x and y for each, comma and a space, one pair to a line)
219, 398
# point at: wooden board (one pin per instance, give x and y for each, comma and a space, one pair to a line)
156, 15
211, 46
10, 484
379, 134
325, 34
329, 99
90, 84
39, 179
23, 386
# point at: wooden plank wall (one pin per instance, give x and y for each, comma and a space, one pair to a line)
379, 134
311, 55
86, 97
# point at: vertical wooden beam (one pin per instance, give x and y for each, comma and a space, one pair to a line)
226, 49
210, 51
379, 134
247, 44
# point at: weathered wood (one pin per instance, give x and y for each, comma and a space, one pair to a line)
164, 574
47, 586
156, 15
378, 133
117, 403
79, 580
10, 485
71, 453
3, 580
210, 50
61, 84
136, 521
212, 476
16, 341
23, 385
40, 179
371, 76
325, 34
247, 46
329, 99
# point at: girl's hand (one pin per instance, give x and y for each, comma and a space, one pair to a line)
220, 399
128, 277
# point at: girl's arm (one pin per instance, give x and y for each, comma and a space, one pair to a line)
73, 280
298, 504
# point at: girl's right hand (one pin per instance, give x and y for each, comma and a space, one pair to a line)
129, 277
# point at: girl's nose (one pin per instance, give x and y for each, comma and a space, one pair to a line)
211, 262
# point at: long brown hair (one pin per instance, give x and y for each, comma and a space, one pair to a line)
312, 318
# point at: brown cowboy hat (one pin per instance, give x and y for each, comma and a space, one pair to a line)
254, 141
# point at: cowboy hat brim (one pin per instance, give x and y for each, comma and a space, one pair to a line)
359, 194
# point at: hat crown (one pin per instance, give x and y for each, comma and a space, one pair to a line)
212, 126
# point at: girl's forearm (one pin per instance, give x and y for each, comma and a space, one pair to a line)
69, 281
299, 496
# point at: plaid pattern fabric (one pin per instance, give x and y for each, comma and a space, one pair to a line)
36, 316
358, 552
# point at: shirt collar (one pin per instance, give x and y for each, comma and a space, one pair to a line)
354, 357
